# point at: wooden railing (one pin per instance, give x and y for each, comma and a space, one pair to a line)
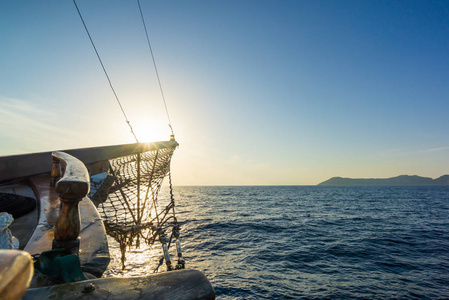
72, 188
24, 165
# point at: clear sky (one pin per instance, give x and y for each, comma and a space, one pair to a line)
259, 92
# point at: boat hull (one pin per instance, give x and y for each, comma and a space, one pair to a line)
181, 284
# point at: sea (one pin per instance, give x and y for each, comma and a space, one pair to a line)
310, 242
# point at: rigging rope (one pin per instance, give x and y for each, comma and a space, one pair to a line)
155, 67
106, 73
127, 197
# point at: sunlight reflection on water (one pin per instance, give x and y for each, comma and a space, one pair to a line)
310, 242
142, 260
139, 261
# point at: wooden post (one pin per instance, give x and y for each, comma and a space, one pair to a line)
72, 188
56, 172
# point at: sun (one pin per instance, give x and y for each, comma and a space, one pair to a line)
148, 131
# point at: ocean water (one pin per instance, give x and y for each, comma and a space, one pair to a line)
312, 242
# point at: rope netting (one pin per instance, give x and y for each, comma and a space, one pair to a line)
127, 200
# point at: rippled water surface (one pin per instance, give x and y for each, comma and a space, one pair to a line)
308, 242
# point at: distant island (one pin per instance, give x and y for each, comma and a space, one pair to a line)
399, 180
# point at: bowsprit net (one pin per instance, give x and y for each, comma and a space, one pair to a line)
127, 200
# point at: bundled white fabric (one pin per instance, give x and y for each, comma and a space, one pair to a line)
7, 240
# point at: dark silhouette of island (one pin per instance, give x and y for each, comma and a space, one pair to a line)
399, 180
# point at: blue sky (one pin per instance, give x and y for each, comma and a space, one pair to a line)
259, 92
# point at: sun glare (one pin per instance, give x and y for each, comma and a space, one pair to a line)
150, 131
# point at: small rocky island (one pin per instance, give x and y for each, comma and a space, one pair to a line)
399, 180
